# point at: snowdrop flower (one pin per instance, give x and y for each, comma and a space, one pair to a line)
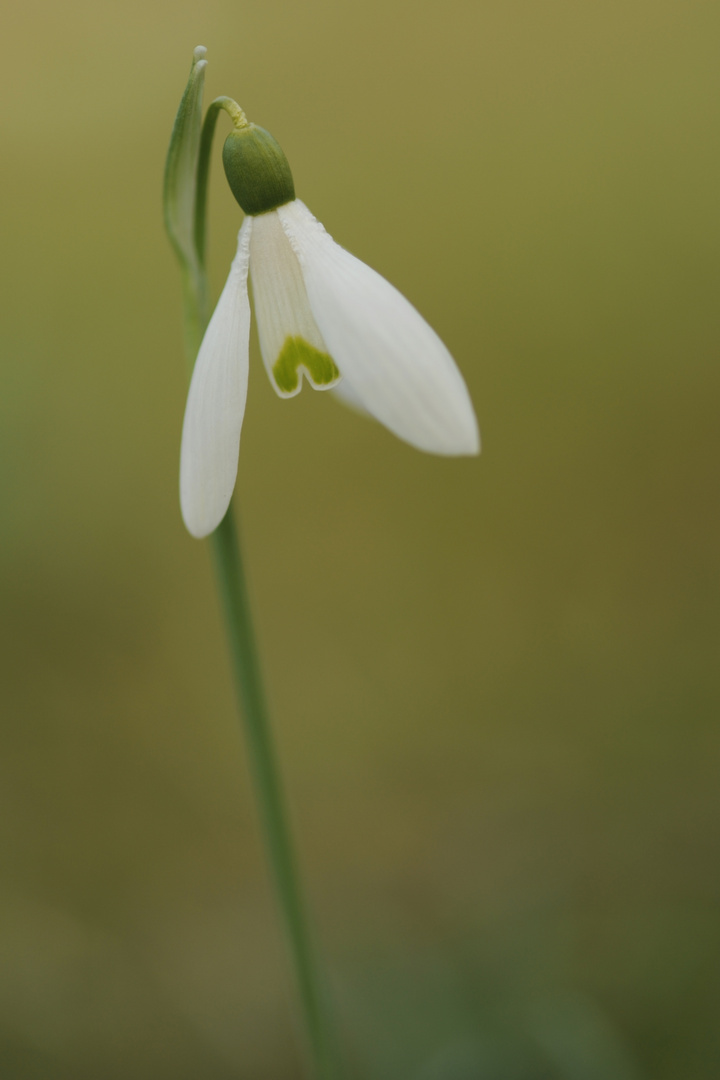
322, 315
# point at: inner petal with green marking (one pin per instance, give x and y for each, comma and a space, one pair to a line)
290, 340
297, 353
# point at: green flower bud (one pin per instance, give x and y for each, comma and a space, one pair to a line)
257, 170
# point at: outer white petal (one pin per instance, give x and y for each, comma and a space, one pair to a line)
395, 363
344, 392
281, 304
216, 403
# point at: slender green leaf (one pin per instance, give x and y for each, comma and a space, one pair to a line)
180, 187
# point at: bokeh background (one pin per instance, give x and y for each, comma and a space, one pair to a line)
495, 683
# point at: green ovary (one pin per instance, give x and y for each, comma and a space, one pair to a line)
296, 352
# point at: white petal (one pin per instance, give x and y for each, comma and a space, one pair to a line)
216, 403
345, 393
290, 342
395, 362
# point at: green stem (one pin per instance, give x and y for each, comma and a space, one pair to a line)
251, 696
269, 792
203, 171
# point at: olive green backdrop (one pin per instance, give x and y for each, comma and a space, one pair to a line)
494, 682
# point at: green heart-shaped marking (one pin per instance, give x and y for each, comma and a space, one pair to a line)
296, 351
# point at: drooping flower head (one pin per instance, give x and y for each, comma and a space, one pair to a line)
322, 315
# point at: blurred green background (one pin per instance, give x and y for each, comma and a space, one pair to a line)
495, 683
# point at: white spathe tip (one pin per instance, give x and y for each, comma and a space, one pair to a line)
216, 403
396, 364
199, 52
